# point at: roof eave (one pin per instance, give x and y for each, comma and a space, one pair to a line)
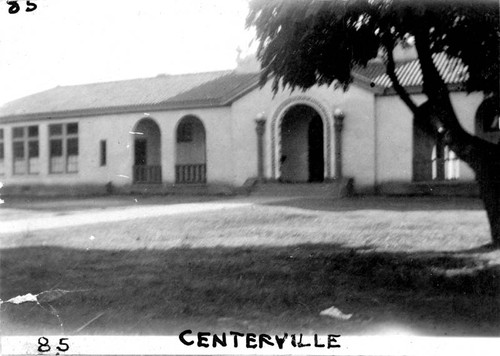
113, 111
417, 89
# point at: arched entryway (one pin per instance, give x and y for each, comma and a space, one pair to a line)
147, 152
302, 145
190, 164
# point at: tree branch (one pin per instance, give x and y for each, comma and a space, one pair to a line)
433, 84
391, 72
436, 90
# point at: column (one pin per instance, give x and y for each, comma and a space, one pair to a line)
260, 127
338, 117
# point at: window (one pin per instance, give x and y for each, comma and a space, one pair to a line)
25, 147
451, 164
63, 148
446, 167
2, 154
103, 153
185, 132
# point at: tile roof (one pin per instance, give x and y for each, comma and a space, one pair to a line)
209, 89
161, 92
409, 74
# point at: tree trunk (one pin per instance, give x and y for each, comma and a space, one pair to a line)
488, 178
484, 158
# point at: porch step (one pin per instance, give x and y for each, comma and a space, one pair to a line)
334, 189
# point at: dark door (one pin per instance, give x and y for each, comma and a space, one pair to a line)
315, 143
141, 149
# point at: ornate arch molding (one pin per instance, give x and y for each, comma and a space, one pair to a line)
277, 119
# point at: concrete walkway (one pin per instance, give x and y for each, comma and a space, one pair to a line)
79, 218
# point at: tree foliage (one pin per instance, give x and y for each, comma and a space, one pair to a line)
303, 43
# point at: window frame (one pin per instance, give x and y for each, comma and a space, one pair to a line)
64, 136
26, 139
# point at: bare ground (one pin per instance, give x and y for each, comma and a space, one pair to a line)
399, 265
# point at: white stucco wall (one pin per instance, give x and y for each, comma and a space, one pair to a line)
117, 131
91, 130
377, 138
357, 104
394, 134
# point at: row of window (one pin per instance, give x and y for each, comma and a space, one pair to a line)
63, 149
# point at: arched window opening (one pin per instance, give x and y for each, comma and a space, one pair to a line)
147, 152
190, 167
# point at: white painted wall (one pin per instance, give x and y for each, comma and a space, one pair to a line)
112, 128
357, 103
394, 134
377, 138
117, 130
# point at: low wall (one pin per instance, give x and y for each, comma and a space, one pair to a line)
447, 188
108, 189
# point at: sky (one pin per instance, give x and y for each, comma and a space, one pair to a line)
66, 42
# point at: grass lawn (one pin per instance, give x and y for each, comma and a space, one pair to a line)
399, 265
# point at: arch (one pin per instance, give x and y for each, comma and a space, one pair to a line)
276, 121
147, 152
190, 151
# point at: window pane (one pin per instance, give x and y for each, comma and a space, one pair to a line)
56, 164
19, 166
32, 149
18, 132
72, 147
55, 130
32, 131
72, 129
72, 166
18, 150
1, 134
34, 165
56, 148
2, 153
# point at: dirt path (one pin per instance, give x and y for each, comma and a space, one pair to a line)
78, 218
18, 220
